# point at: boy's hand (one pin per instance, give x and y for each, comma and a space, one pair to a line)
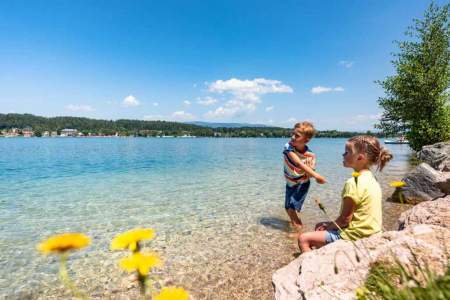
320, 179
311, 162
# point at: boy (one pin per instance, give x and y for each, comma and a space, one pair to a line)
299, 163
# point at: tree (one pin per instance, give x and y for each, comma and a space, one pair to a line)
416, 101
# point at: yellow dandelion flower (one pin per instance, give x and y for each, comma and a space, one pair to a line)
360, 292
64, 242
140, 262
172, 293
397, 184
130, 238
355, 174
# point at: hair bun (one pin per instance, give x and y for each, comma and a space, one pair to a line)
384, 157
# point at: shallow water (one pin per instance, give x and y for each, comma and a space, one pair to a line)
216, 205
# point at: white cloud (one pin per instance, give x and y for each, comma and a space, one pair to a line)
346, 64
246, 95
269, 108
220, 112
182, 116
270, 121
130, 101
290, 120
81, 107
233, 108
322, 89
207, 101
155, 103
187, 102
250, 90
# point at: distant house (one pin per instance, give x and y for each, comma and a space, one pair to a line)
54, 133
69, 132
13, 132
27, 132
46, 133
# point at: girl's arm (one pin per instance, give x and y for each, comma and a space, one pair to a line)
346, 215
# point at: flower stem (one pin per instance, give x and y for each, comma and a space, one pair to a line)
65, 279
142, 279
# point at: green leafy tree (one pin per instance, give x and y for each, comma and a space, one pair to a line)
417, 97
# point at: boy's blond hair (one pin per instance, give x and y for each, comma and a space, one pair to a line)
306, 128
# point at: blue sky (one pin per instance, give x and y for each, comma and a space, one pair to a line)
269, 62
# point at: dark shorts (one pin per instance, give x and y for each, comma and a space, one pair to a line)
296, 195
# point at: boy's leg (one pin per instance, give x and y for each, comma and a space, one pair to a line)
290, 208
299, 197
295, 220
312, 239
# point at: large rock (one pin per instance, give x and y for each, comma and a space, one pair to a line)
312, 275
436, 212
423, 184
436, 155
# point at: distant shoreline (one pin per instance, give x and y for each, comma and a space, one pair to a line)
163, 137
27, 125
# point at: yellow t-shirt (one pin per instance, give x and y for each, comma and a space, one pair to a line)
367, 216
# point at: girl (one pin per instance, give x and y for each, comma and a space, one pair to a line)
361, 196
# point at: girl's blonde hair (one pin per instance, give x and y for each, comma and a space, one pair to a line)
370, 146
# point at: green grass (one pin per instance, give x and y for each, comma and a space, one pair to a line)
396, 282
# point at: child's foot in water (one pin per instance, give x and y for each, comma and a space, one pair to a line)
293, 235
297, 226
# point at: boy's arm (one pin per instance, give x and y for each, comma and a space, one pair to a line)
309, 154
308, 170
310, 159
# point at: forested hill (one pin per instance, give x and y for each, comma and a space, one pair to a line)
58, 123
142, 128
124, 127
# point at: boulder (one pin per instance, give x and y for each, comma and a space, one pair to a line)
423, 184
436, 155
334, 272
436, 212
443, 182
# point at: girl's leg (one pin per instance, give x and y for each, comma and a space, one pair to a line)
311, 239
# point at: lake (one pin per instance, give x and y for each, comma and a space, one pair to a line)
216, 205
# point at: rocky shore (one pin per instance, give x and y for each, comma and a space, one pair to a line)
336, 270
